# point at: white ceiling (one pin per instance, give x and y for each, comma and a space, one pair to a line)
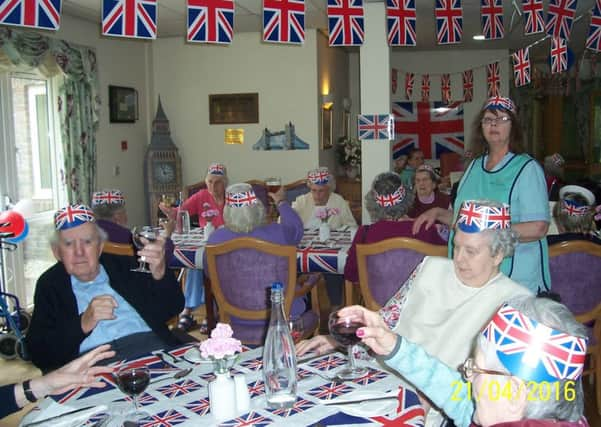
172, 21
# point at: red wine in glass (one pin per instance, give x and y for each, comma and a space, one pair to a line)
343, 330
133, 381
345, 333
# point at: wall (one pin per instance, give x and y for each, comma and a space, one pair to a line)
285, 77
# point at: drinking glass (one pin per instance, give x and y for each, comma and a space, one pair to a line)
343, 330
296, 328
273, 184
149, 234
133, 381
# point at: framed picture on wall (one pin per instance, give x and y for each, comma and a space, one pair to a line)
123, 104
326, 128
233, 108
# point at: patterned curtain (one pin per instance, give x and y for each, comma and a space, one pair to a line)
78, 100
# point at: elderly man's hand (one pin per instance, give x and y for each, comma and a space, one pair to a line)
101, 307
154, 254
375, 333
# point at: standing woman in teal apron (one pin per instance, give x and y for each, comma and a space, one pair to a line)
501, 171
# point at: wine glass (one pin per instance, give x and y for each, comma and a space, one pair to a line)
149, 234
273, 185
133, 381
343, 330
296, 328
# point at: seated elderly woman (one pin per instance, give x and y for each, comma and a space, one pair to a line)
387, 203
452, 298
574, 215
427, 195
310, 206
525, 369
111, 215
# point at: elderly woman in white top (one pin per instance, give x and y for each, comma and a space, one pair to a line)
310, 206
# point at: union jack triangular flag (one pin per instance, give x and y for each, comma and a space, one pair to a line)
394, 76
401, 19
375, 126
129, 18
409, 82
449, 21
211, 21
345, 22
533, 16
468, 85
45, 14
493, 79
284, 21
425, 87
560, 17
593, 41
559, 55
492, 19
445, 88
521, 67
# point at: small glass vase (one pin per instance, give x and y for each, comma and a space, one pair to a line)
324, 231
208, 229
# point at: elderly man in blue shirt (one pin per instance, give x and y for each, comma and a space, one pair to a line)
88, 298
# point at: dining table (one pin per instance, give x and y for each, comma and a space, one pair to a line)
185, 401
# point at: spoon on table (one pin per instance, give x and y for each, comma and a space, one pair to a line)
176, 376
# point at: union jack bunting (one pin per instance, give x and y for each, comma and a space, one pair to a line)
389, 200
449, 21
319, 176
129, 18
499, 102
216, 169
532, 351
492, 19
533, 16
474, 217
425, 87
179, 388
409, 82
434, 128
345, 22
560, 18
593, 40
166, 418
199, 407
410, 412
521, 67
72, 216
253, 419
445, 88
241, 199
573, 208
493, 79
284, 21
107, 197
401, 19
211, 21
376, 126
468, 85
45, 14
559, 55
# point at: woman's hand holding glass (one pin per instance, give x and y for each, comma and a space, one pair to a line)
375, 333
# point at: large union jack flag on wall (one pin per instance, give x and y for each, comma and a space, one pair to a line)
559, 55
211, 21
129, 18
533, 16
45, 14
449, 21
401, 18
521, 67
492, 19
284, 21
434, 128
593, 40
560, 18
345, 22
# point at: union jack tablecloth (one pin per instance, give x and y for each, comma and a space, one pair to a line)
185, 402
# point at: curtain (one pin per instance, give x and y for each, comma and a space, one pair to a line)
78, 100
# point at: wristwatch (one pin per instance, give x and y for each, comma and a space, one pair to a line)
28, 393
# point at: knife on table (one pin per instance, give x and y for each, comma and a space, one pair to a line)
64, 414
365, 399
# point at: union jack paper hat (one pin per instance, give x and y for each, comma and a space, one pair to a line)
241, 198
389, 200
558, 160
426, 167
532, 351
474, 217
319, 176
499, 103
573, 207
216, 169
107, 197
72, 215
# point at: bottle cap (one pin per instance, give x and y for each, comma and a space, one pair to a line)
277, 286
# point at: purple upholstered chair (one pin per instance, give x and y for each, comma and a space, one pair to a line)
384, 266
575, 268
242, 271
295, 189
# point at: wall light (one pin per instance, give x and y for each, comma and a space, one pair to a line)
327, 101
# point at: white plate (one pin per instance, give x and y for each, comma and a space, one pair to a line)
367, 409
193, 355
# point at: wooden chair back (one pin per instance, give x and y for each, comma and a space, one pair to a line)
118, 248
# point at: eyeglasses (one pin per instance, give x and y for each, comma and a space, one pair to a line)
487, 121
469, 368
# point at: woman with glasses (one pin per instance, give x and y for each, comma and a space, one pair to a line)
525, 369
501, 171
